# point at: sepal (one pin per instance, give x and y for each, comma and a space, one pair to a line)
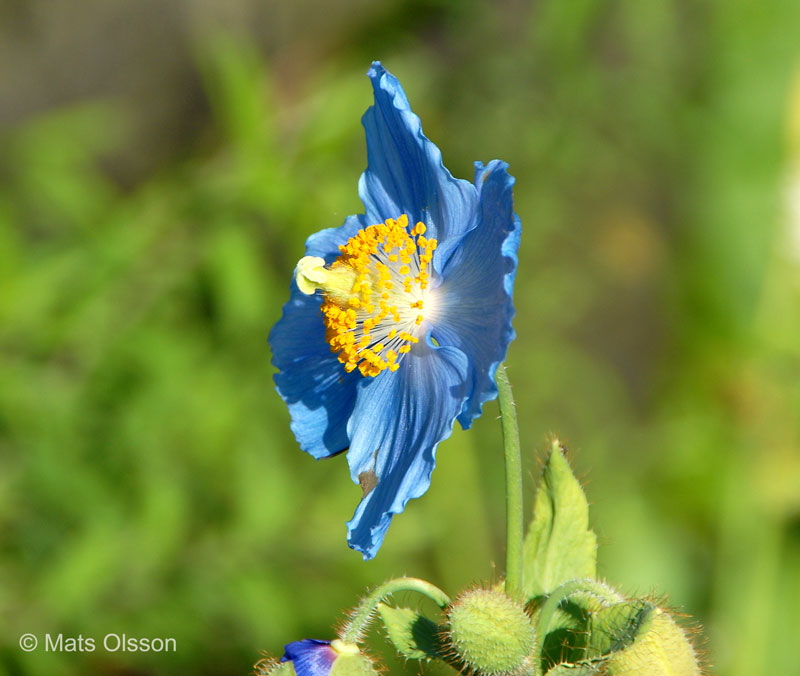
615, 628
412, 634
563, 619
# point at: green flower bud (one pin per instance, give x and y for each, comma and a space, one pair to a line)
351, 662
491, 633
660, 649
353, 665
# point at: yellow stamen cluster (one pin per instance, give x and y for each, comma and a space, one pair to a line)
375, 292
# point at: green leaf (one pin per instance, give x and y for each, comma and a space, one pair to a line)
413, 635
559, 545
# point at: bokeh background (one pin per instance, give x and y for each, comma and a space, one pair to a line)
161, 165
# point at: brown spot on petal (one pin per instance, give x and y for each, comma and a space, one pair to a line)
367, 480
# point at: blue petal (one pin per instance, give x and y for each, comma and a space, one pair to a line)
313, 383
319, 393
405, 173
310, 657
474, 302
325, 243
398, 421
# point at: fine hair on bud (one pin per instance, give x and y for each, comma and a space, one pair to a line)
355, 665
662, 648
490, 634
269, 666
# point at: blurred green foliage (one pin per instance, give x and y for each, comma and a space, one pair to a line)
149, 482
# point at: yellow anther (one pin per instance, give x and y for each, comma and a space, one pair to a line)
380, 269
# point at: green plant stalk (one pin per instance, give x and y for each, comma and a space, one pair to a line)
513, 460
360, 618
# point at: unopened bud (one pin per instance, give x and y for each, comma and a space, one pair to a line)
491, 633
660, 649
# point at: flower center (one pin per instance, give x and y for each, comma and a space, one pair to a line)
375, 293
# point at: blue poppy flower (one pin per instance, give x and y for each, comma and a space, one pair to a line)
398, 319
311, 657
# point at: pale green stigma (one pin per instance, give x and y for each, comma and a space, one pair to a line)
336, 282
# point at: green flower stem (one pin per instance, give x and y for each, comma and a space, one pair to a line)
562, 593
361, 616
514, 513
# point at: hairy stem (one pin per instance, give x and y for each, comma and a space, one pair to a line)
361, 616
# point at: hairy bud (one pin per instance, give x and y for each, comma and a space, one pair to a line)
660, 649
353, 665
491, 633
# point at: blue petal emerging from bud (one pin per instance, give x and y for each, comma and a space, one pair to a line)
310, 657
